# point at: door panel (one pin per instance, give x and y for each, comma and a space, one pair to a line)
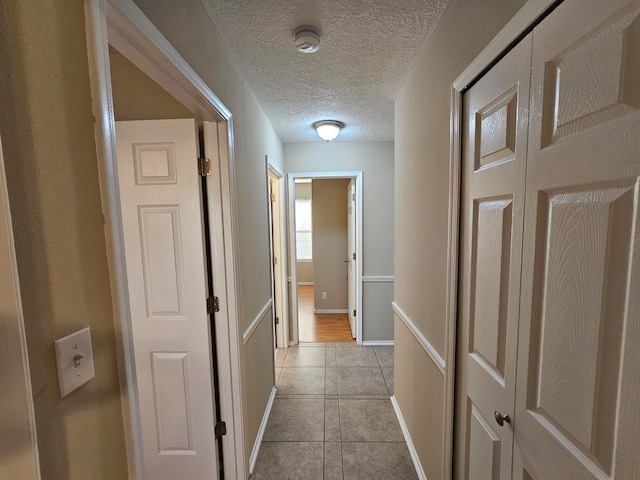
495, 115
579, 323
485, 447
166, 274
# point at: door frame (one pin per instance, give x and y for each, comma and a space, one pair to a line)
519, 26
122, 24
291, 178
14, 355
274, 173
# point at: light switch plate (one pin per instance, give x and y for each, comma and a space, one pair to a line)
74, 358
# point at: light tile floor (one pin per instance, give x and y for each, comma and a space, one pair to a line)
332, 418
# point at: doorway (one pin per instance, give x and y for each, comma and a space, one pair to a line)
145, 48
277, 239
324, 263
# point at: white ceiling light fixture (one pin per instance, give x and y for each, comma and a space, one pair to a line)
307, 39
328, 129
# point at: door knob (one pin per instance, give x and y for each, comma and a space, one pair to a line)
346, 260
500, 418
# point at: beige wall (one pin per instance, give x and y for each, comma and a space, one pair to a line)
305, 272
330, 243
137, 97
47, 127
190, 30
421, 203
46, 124
376, 161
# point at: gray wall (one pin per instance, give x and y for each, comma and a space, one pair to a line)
421, 205
330, 243
376, 161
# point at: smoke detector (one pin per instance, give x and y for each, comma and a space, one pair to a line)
307, 39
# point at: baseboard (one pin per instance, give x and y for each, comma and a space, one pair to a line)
263, 425
407, 438
320, 311
379, 343
305, 283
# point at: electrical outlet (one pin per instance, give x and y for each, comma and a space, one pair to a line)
74, 359
324, 295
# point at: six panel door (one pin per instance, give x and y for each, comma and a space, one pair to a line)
166, 275
495, 115
578, 411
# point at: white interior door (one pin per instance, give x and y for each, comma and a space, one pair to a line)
493, 171
352, 258
166, 272
577, 409
18, 445
274, 259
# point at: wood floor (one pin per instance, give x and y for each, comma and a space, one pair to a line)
327, 327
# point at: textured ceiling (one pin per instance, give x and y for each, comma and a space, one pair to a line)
367, 48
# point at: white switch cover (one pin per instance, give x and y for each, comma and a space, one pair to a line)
74, 358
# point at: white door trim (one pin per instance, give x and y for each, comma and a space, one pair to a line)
522, 21
121, 23
291, 178
279, 226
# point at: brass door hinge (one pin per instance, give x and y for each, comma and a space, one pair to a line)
204, 167
213, 305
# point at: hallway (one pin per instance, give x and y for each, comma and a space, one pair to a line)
332, 417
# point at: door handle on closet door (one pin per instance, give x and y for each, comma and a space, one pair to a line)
501, 419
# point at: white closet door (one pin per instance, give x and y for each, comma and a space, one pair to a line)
166, 273
493, 171
577, 410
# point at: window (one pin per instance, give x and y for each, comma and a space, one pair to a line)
303, 230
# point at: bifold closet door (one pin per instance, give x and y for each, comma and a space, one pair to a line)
495, 115
162, 223
577, 412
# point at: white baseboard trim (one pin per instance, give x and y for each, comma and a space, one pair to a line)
373, 343
256, 321
305, 283
320, 311
407, 438
422, 340
263, 425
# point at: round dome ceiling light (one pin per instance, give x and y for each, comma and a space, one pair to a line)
307, 39
328, 129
